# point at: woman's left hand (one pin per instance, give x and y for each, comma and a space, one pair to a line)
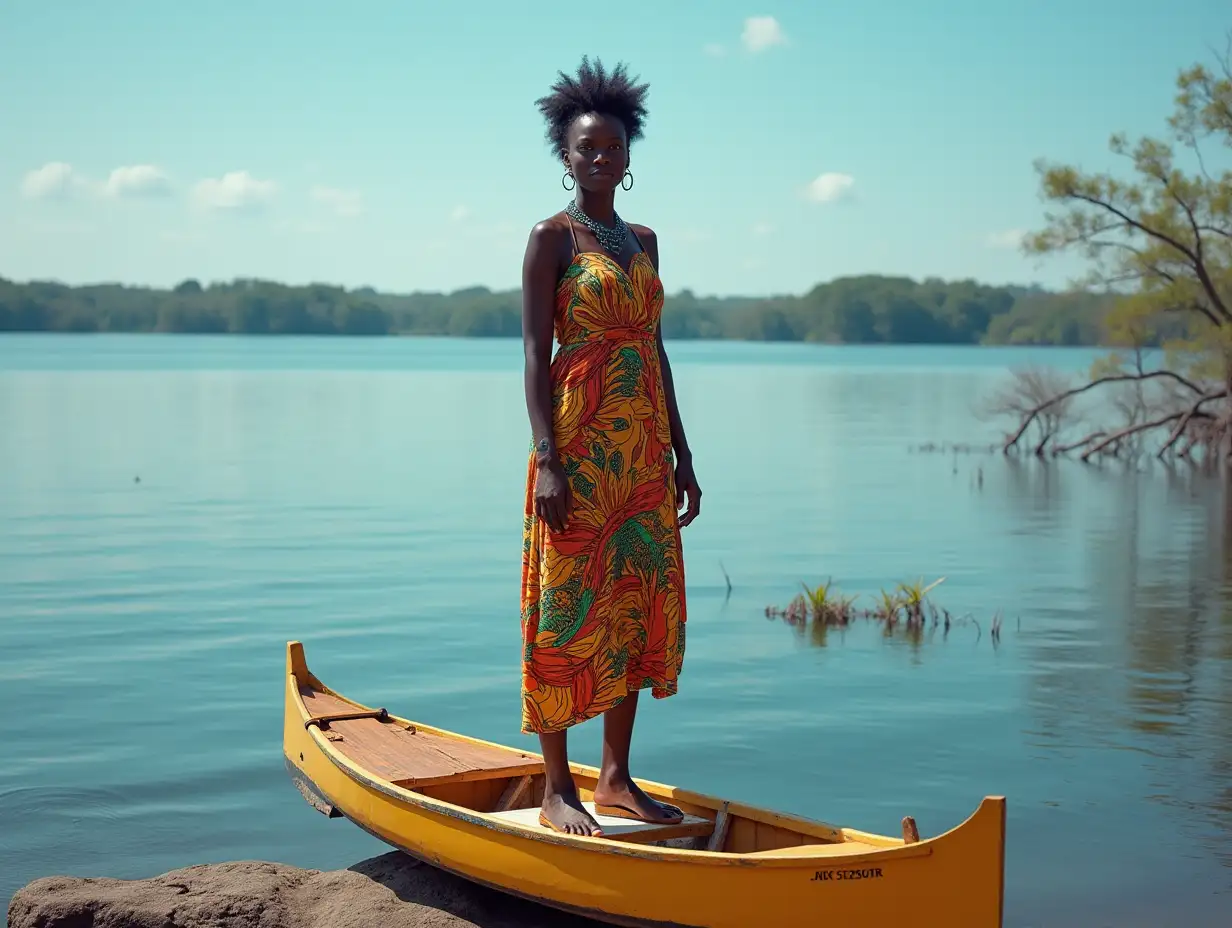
686, 485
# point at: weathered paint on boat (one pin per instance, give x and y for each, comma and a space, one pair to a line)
808, 874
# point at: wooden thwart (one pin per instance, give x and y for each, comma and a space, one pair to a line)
323, 721
409, 757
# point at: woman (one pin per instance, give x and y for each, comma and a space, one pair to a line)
603, 603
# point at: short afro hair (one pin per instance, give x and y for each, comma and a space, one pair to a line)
593, 90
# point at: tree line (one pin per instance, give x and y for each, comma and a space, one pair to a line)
864, 309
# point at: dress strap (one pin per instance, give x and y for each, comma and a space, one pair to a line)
572, 235
636, 238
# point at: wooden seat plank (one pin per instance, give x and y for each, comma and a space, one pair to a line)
414, 758
617, 828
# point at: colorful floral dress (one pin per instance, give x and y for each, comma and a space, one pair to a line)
603, 602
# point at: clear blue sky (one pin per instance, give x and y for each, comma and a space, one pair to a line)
396, 143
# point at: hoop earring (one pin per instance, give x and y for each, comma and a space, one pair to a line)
568, 174
629, 175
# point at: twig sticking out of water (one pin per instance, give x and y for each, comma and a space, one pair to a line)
956, 448
728, 579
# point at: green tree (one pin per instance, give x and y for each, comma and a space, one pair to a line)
1161, 245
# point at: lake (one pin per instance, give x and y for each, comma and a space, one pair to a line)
173, 509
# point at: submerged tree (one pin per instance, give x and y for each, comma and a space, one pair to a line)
1162, 244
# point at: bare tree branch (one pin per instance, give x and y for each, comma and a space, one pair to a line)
1099, 381
1127, 432
1066, 449
1194, 410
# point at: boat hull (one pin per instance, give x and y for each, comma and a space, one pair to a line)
952, 880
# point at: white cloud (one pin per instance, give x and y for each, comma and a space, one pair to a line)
762, 32
235, 190
1006, 238
715, 50
829, 187
54, 179
137, 180
342, 202
59, 179
459, 213
762, 229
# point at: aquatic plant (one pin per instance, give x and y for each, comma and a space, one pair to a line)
888, 606
829, 607
907, 604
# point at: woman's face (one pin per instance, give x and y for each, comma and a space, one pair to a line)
597, 151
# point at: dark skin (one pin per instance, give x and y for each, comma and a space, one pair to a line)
597, 155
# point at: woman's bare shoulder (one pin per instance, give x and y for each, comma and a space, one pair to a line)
649, 240
550, 232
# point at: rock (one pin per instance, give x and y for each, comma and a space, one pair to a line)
390, 891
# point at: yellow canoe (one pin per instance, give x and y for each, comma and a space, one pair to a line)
470, 807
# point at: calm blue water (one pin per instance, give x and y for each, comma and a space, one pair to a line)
365, 497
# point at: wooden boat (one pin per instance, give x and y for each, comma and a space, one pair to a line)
470, 807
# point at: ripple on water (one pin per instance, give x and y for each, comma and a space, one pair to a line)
43, 804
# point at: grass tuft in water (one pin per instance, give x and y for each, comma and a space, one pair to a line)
907, 607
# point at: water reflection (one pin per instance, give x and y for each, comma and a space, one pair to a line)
1124, 635
818, 632
1178, 675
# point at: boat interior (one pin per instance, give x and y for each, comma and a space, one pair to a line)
508, 785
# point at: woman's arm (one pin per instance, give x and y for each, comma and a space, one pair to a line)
686, 480
539, 272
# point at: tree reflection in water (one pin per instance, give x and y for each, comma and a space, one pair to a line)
1124, 630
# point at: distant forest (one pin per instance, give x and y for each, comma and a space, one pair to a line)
867, 309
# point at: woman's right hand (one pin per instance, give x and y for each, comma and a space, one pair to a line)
553, 495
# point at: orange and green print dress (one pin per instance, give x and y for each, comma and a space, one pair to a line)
603, 602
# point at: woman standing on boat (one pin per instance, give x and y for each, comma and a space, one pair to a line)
603, 602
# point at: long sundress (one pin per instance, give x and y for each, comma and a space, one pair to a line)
603, 602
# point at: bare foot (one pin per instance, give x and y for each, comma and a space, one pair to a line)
565, 812
624, 794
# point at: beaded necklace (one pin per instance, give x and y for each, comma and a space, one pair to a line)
612, 238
